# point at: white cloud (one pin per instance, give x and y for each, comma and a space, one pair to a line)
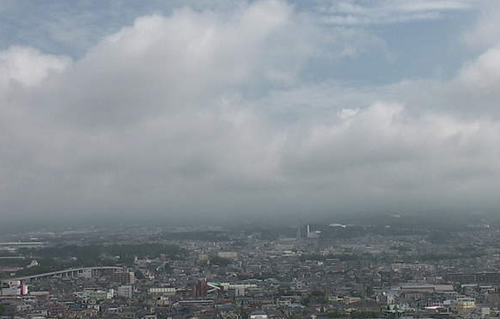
355, 12
483, 76
485, 32
347, 113
27, 66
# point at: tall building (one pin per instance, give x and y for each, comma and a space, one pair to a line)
200, 289
123, 277
312, 234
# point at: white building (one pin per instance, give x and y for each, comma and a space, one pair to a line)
125, 291
13, 288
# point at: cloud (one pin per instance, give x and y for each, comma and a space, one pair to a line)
482, 76
167, 85
485, 33
388, 11
347, 113
27, 66
207, 112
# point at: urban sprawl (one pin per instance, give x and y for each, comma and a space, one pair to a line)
308, 271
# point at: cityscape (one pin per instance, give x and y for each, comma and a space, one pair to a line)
393, 268
249, 159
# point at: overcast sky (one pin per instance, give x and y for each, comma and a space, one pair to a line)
226, 107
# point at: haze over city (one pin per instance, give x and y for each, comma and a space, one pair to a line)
249, 159
201, 109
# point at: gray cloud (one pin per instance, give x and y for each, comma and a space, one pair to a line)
202, 112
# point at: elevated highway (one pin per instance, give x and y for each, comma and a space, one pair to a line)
73, 272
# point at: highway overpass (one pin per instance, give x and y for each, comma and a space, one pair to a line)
73, 272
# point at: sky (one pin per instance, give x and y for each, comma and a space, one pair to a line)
235, 108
